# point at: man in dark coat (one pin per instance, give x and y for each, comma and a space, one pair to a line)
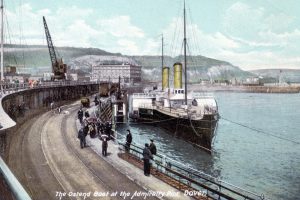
147, 155
87, 114
128, 141
108, 128
104, 146
152, 147
81, 136
80, 115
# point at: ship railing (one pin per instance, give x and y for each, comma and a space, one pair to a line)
148, 106
181, 112
143, 95
213, 187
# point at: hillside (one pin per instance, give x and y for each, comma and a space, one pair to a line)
199, 68
81, 59
38, 55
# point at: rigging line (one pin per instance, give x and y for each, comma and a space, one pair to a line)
23, 41
21, 31
8, 36
158, 72
260, 131
181, 55
197, 134
178, 32
195, 39
175, 34
194, 35
195, 65
174, 44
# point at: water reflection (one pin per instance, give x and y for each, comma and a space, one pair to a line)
172, 147
252, 160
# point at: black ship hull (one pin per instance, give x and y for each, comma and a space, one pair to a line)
198, 132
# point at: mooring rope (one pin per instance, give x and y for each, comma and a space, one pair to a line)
260, 131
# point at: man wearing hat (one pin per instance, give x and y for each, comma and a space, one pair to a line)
147, 155
81, 136
128, 141
152, 147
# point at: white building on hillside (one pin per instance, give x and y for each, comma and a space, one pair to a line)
111, 72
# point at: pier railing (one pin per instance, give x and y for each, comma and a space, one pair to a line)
195, 179
14, 87
19, 193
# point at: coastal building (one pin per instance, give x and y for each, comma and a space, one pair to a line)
111, 72
252, 81
11, 75
73, 76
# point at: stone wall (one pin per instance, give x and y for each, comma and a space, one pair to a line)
26, 104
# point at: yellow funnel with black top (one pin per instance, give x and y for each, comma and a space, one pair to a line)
177, 75
165, 78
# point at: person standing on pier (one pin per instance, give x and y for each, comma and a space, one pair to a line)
128, 141
59, 109
52, 105
98, 126
152, 147
81, 136
80, 115
147, 155
87, 114
104, 146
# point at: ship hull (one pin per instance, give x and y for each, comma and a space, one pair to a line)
198, 132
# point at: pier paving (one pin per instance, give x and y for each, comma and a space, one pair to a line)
46, 157
134, 173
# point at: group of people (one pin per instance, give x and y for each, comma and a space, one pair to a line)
94, 129
103, 130
58, 109
148, 152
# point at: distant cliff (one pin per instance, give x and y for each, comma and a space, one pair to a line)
199, 68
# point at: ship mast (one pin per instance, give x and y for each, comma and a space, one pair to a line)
185, 64
162, 57
2, 41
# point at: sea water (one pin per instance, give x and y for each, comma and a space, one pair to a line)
257, 143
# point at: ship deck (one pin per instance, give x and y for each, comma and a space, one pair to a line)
176, 112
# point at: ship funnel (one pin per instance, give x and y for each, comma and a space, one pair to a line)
177, 75
165, 78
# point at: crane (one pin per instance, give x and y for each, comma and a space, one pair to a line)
58, 67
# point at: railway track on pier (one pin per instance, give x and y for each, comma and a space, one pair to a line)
46, 157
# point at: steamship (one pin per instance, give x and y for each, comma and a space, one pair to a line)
190, 116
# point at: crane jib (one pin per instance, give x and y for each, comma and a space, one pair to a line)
58, 67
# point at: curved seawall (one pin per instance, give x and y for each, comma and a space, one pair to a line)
16, 108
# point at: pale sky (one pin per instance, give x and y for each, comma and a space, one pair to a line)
251, 34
